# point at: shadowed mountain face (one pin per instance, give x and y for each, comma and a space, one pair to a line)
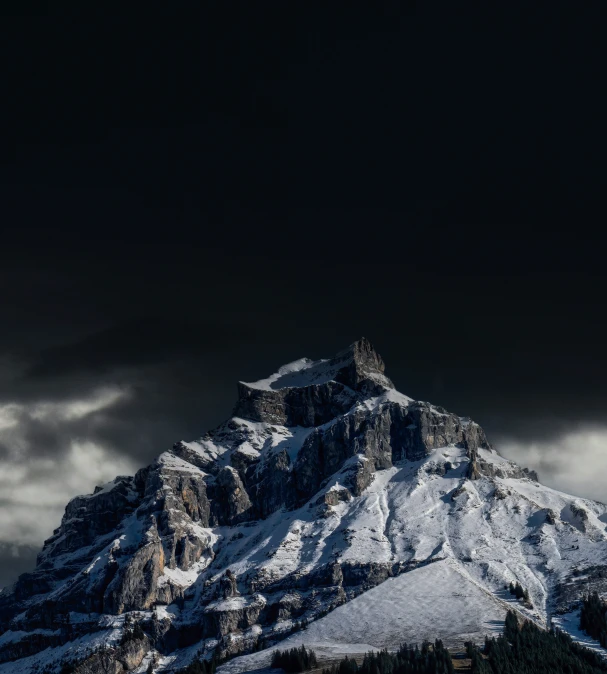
325, 483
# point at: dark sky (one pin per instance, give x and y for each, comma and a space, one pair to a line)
189, 198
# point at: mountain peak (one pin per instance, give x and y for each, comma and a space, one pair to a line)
309, 392
363, 351
367, 362
358, 359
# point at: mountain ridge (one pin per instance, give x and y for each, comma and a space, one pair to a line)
325, 483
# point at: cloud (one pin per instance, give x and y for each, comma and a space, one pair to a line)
77, 409
575, 462
9, 416
36, 485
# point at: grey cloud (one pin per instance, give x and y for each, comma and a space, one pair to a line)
575, 462
48, 457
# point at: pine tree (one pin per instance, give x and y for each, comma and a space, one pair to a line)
527, 649
431, 659
294, 660
593, 618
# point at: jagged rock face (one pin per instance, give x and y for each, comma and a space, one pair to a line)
88, 517
125, 658
125, 575
421, 428
271, 488
384, 437
231, 503
175, 501
310, 406
297, 504
353, 375
134, 586
186, 494
478, 467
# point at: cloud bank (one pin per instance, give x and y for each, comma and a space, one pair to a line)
37, 478
575, 462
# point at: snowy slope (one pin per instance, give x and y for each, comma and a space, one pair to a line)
413, 607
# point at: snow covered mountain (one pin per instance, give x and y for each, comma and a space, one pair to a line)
328, 499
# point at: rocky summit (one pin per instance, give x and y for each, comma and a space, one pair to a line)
329, 501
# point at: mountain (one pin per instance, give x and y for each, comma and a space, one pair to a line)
328, 499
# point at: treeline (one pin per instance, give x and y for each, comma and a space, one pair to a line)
593, 618
430, 659
526, 649
294, 660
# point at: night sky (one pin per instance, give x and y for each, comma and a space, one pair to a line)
189, 198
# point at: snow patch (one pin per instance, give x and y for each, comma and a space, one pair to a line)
430, 601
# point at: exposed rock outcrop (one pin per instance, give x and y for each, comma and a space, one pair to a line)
354, 374
88, 517
231, 503
125, 658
